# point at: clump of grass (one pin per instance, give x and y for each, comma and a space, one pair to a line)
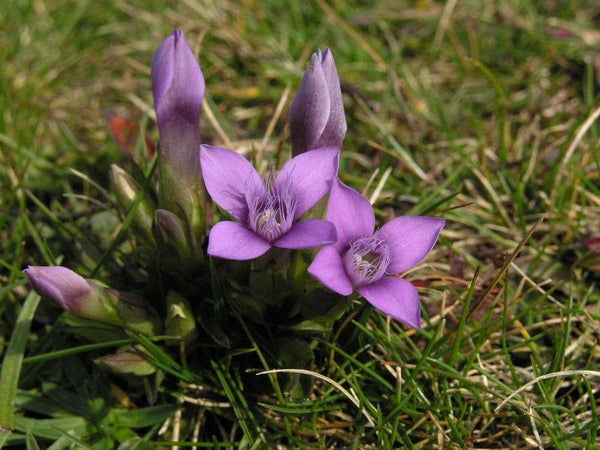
482, 113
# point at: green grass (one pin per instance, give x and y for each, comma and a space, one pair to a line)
479, 113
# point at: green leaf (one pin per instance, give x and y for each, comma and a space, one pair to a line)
144, 417
11, 366
30, 441
53, 428
136, 444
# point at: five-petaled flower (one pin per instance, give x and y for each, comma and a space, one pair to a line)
363, 259
268, 214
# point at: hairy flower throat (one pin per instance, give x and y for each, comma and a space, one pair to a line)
366, 260
271, 213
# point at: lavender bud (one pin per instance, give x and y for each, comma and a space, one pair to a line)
89, 299
317, 116
178, 88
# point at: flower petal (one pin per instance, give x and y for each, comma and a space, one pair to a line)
308, 234
228, 176
308, 177
335, 131
351, 214
328, 268
309, 112
231, 240
410, 239
395, 297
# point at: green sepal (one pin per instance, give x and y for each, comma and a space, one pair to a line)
179, 255
92, 329
186, 201
123, 309
180, 318
269, 285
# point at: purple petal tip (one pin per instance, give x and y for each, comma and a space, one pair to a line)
58, 283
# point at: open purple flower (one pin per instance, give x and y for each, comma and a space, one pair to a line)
267, 214
178, 89
363, 259
317, 116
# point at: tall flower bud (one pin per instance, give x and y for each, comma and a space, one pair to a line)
178, 89
87, 298
317, 116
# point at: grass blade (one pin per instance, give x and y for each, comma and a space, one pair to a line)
11, 366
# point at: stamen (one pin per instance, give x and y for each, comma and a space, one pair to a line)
366, 260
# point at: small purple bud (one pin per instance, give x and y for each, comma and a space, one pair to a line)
178, 89
170, 229
178, 252
317, 116
89, 299
60, 284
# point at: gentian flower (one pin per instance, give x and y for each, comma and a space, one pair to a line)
87, 298
267, 214
178, 89
367, 261
317, 116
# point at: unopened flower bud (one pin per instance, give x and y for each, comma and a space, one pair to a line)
179, 254
317, 116
127, 190
180, 318
88, 298
178, 89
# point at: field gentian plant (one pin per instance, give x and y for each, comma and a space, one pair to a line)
256, 293
268, 214
367, 261
317, 116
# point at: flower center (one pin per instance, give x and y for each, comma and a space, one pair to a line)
366, 260
271, 214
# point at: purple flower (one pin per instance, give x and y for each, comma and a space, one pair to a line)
178, 89
267, 214
317, 116
365, 260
